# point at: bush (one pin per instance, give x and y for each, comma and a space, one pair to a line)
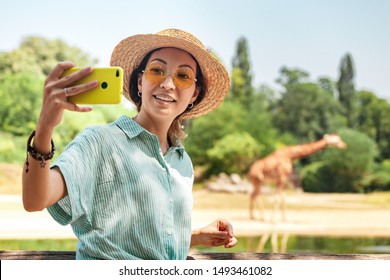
232, 154
342, 170
379, 180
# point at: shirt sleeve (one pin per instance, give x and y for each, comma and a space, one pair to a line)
78, 165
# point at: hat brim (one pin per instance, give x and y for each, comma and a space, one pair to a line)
129, 53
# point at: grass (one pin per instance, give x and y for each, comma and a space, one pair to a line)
40, 244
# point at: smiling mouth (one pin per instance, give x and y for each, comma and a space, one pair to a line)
164, 98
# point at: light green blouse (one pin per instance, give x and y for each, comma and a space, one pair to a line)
125, 199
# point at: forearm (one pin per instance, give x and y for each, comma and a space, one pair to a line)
195, 237
41, 186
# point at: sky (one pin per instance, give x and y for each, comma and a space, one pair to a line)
310, 35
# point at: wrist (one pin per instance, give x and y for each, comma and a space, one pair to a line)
37, 155
42, 139
195, 237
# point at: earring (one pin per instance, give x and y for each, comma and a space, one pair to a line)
139, 94
190, 106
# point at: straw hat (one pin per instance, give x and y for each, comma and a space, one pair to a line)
129, 53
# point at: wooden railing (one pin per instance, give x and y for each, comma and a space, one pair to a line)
71, 255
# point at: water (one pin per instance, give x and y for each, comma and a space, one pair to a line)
308, 245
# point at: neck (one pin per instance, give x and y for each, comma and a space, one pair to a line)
304, 150
159, 128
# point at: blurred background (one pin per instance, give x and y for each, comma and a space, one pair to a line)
299, 70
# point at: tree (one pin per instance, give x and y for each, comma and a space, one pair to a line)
342, 170
259, 123
22, 74
346, 90
305, 110
37, 56
21, 96
204, 132
242, 89
289, 77
233, 154
374, 120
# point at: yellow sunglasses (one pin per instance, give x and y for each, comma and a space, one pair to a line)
156, 74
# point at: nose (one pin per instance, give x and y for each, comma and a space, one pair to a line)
168, 83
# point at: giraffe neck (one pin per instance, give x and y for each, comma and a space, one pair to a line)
304, 150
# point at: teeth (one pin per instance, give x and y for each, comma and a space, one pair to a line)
164, 98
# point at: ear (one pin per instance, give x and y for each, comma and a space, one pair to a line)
195, 95
139, 82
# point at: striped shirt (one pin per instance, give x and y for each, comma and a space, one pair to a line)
126, 200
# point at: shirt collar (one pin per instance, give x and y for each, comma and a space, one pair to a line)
132, 129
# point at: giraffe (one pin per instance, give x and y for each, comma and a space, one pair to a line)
277, 168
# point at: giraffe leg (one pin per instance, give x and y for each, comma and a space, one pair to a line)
254, 200
276, 202
283, 246
274, 242
283, 205
263, 240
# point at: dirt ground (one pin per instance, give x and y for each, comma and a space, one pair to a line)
307, 214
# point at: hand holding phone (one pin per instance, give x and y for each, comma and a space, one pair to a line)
108, 91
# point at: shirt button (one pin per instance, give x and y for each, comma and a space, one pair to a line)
169, 232
170, 200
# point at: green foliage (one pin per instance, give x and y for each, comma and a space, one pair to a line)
379, 180
342, 170
258, 120
22, 74
346, 89
12, 148
233, 153
374, 120
289, 77
307, 112
249, 123
37, 56
242, 89
204, 132
21, 96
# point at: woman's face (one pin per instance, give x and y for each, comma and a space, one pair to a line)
167, 84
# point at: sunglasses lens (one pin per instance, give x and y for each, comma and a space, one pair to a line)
155, 73
183, 78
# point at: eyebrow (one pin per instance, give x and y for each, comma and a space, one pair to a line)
164, 62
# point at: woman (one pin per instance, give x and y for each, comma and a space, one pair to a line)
126, 187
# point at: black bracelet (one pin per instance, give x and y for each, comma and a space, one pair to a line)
36, 155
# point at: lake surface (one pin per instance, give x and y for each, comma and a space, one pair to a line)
308, 245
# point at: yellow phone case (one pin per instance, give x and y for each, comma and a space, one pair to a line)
109, 90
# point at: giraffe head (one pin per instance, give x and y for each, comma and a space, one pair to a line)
334, 140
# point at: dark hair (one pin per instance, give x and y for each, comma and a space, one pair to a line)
175, 131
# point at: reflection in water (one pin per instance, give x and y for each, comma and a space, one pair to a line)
275, 241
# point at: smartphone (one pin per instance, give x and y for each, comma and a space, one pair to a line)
108, 91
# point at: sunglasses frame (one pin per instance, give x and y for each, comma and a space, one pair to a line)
164, 77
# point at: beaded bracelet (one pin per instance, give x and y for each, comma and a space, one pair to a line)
36, 155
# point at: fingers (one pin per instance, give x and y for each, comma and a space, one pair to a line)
59, 88
232, 242
76, 108
224, 225
74, 90
66, 81
59, 69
